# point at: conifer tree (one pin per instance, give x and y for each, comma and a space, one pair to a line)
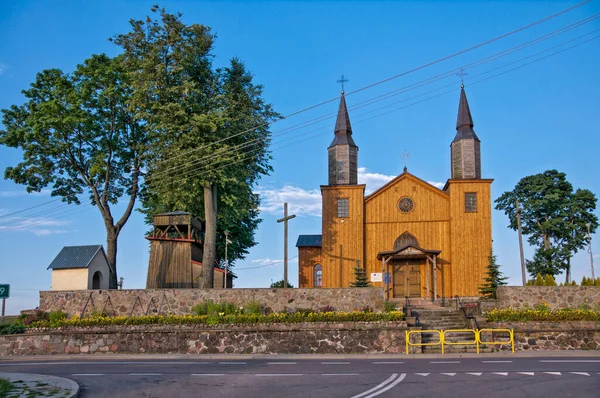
361, 278
493, 279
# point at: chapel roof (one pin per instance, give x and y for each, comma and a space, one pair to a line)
309, 241
76, 257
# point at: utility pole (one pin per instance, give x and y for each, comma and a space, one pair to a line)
285, 220
589, 237
521, 244
226, 259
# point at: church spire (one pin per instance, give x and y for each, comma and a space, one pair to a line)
343, 152
465, 148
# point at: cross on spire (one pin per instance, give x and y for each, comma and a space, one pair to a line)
462, 75
342, 80
405, 155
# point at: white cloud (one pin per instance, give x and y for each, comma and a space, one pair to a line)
46, 232
2, 68
301, 202
12, 194
268, 261
41, 226
308, 202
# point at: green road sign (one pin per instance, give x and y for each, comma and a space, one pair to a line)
4, 291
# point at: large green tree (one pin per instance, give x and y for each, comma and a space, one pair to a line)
79, 134
553, 216
493, 278
211, 129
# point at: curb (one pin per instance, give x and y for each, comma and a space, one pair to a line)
29, 379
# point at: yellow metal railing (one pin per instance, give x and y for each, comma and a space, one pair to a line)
475, 341
476, 338
421, 344
510, 332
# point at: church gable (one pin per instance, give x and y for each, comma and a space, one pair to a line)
407, 198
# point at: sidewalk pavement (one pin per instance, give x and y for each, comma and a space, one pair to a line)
34, 385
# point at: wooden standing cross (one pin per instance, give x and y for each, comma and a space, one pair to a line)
285, 220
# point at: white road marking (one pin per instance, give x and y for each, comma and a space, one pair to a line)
208, 374
496, 361
570, 360
340, 374
281, 363
527, 373
448, 374
500, 373
423, 374
474, 373
335, 363
232, 363
145, 374
444, 362
580, 373
87, 374
104, 363
279, 374
378, 386
386, 363
554, 373
390, 386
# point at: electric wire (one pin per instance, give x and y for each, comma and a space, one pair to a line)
426, 65
265, 265
29, 208
225, 150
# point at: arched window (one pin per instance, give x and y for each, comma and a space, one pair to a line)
318, 276
97, 280
404, 240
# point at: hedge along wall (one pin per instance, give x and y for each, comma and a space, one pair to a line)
181, 301
555, 296
305, 338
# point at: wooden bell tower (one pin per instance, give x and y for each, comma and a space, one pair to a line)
175, 251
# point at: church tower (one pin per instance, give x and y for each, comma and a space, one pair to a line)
465, 152
343, 152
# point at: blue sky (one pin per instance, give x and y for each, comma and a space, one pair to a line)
540, 116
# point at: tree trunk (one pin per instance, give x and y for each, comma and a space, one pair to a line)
111, 253
210, 236
568, 271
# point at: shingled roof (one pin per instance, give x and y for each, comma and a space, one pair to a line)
309, 241
76, 257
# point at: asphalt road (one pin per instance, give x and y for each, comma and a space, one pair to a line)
488, 377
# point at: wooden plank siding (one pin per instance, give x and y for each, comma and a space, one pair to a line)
429, 222
170, 264
342, 237
308, 257
471, 235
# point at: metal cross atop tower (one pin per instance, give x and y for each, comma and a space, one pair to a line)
405, 155
462, 75
342, 81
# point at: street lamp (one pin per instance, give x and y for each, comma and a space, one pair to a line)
226, 259
589, 238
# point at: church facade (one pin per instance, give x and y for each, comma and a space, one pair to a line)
411, 237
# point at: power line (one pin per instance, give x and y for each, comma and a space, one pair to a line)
265, 265
29, 208
453, 55
199, 171
511, 50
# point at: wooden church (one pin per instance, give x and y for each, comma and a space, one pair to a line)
411, 237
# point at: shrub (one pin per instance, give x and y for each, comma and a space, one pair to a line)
56, 316
549, 280
12, 328
253, 307
535, 315
539, 280
34, 316
388, 306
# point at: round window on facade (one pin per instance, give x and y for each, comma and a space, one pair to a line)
406, 204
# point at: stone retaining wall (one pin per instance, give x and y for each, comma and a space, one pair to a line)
550, 336
181, 301
306, 338
554, 296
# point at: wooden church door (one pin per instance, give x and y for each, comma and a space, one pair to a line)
407, 278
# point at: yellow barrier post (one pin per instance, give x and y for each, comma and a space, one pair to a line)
421, 344
511, 336
474, 342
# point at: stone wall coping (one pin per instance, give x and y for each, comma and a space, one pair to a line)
546, 326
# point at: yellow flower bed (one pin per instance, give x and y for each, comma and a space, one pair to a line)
240, 319
542, 315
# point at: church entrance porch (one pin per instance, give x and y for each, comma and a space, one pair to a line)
403, 268
406, 278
